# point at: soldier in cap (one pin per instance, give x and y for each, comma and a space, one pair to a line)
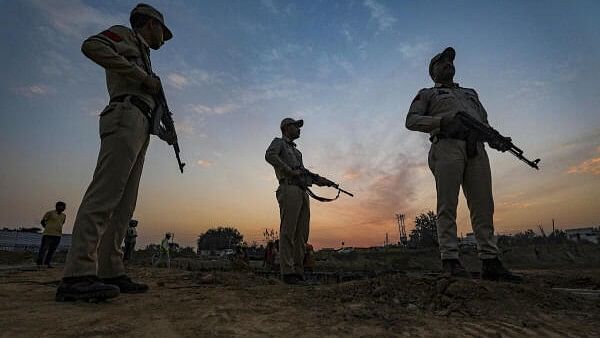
94, 269
456, 160
292, 197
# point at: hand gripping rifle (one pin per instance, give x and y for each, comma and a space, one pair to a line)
163, 126
316, 178
490, 135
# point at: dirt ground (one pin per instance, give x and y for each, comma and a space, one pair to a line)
184, 303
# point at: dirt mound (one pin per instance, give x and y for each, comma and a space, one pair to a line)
456, 297
240, 304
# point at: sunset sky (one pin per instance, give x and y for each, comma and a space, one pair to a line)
350, 69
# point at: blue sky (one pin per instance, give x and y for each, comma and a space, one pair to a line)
234, 69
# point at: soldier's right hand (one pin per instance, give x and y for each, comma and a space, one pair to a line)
152, 84
452, 126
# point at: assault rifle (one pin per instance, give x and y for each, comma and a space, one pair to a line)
490, 135
311, 177
163, 125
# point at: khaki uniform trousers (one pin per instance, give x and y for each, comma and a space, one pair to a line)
451, 168
294, 211
109, 202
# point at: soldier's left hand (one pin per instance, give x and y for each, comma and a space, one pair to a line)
168, 137
502, 145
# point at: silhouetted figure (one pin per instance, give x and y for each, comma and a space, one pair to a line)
456, 159
294, 207
109, 201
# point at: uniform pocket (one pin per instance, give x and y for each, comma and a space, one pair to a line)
110, 120
431, 157
279, 194
132, 117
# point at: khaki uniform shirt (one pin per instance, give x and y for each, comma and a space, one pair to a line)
54, 223
124, 55
283, 155
431, 104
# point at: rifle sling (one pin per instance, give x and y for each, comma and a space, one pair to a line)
322, 199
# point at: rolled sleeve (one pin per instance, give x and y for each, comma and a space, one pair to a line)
418, 118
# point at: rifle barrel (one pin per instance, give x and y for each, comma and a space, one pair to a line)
346, 192
181, 164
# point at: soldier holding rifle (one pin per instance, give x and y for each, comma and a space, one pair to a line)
458, 125
292, 196
94, 269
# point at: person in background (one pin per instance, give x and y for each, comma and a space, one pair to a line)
52, 222
164, 251
130, 239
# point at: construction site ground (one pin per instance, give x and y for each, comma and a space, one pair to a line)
191, 301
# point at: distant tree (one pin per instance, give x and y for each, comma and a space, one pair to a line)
558, 236
525, 236
270, 235
425, 232
220, 238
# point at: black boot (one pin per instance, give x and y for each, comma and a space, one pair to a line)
125, 284
493, 269
454, 268
86, 288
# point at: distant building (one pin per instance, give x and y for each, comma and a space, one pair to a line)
16, 240
216, 253
583, 234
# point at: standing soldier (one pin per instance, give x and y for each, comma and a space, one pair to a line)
130, 240
456, 160
94, 269
52, 222
292, 197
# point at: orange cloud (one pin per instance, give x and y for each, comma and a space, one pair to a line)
351, 175
591, 166
205, 163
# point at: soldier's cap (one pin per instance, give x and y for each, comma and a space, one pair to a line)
289, 120
152, 12
448, 53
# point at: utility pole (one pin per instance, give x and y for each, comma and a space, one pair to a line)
401, 229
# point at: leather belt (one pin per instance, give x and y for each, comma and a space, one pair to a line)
136, 101
289, 181
470, 141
